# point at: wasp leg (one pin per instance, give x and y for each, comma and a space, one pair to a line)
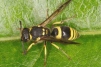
23, 49
30, 46
45, 52
45, 49
66, 20
47, 13
55, 13
59, 22
61, 50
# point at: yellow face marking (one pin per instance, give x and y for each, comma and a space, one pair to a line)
59, 33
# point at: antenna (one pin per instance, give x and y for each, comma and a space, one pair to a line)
23, 48
20, 25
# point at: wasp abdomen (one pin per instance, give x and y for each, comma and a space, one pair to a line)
64, 32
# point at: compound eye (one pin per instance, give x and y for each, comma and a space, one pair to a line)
24, 38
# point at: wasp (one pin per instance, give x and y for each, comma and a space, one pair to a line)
38, 33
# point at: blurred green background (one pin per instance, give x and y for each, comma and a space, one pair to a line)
32, 12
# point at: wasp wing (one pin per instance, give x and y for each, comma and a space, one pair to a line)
52, 39
55, 13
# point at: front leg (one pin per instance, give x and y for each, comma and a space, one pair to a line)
30, 46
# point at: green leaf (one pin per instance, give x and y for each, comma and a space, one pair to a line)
32, 12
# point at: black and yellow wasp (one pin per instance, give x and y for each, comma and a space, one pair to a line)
57, 34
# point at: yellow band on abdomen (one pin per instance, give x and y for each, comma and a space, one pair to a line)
71, 34
74, 34
59, 33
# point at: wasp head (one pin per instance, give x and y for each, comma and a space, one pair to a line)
25, 35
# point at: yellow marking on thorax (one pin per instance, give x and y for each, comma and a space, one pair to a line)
39, 26
43, 33
38, 39
30, 34
59, 33
46, 31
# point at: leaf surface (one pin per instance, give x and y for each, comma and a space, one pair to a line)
32, 12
